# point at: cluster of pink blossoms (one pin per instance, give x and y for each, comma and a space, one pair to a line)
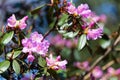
35, 44
88, 19
12, 22
56, 63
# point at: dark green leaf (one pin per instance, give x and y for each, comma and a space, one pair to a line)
41, 62
4, 66
7, 37
1, 33
82, 41
16, 66
36, 10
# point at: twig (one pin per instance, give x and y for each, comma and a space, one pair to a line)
47, 33
109, 49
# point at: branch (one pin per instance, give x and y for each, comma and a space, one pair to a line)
109, 49
47, 33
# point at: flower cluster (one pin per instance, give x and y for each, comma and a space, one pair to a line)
90, 22
35, 44
13, 23
82, 10
56, 64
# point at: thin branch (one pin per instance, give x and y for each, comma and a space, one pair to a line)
47, 33
109, 49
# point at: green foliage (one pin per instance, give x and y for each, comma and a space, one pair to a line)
82, 41
113, 78
7, 37
104, 43
70, 34
16, 66
36, 10
63, 19
15, 54
41, 62
4, 66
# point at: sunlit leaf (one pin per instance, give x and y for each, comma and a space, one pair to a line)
15, 54
82, 41
7, 37
16, 66
62, 19
113, 78
104, 43
70, 34
4, 66
41, 62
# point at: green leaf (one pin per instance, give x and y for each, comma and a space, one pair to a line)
36, 10
82, 41
4, 66
41, 62
15, 54
114, 78
104, 43
62, 20
16, 66
7, 37
1, 33
70, 34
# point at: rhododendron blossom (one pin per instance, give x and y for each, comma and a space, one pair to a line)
13, 23
56, 64
94, 34
82, 10
30, 58
35, 44
97, 72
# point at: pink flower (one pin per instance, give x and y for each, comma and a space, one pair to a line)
36, 37
94, 33
83, 10
30, 58
13, 23
29, 46
22, 25
112, 71
97, 72
71, 9
55, 64
35, 44
82, 65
